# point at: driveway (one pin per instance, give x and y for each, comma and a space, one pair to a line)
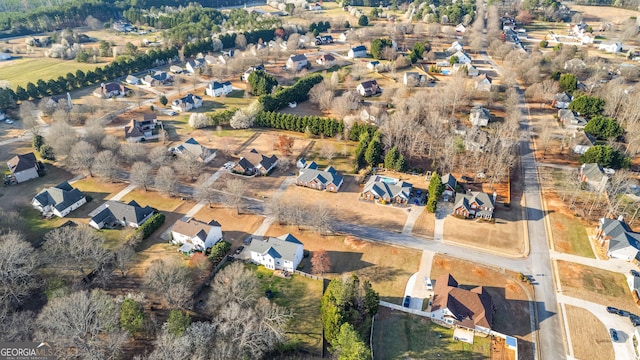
416, 287
442, 211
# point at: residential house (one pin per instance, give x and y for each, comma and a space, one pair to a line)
462, 58
110, 90
475, 139
386, 190
357, 52
368, 88
374, 114
245, 76
455, 47
479, 116
64, 99
253, 163
372, 65
471, 70
186, 103
450, 183
460, 28
193, 65
24, 167
175, 69
594, 176
59, 200
210, 60
132, 80
343, 36
113, 214
613, 47
475, 204
314, 7
634, 286
483, 82
579, 28
158, 78
297, 62
582, 142
411, 78
575, 65
193, 149
562, 100
277, 253
5, 56
618, 239
301, 164
571, 120
453, 306
311, 177
216, 89
326, 60
137, 131
122, 26
195, 235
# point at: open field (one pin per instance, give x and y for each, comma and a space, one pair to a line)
153, 199
569, 235
604, 13
508, 295
589, 337
398, 335
595, 285
388, 268
25, 70
302, 296
235, 228
424, 225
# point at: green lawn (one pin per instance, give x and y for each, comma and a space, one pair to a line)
34, 226
153, 199
25, 70
569, 235
398, 335
302, 296
340, 162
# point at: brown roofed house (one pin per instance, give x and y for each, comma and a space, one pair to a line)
453, 306
23, 167
253, 162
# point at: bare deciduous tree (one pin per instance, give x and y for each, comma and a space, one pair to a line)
328, 151
81, 158
140, 175
234, 190
94, 132
29, 117
205, 193
169, 280
320, 262
83, 324
188, 165
132, 152
158, 156
61, 137
75, 248
106, 165
110, 143
18, 264
165, 180
124, 258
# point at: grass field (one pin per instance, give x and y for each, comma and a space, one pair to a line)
302, 296
589, 337
398, 335
595, 285
569, 235
25, 70
153, 199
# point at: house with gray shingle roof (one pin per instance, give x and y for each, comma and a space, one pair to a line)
253, 163
195, 234
634, 286
280, 253
23, 167
616, 236
192, 148
328, 179
59, 200
595, 176
479, 116
475, 204
387, 190
112, 214
450, 183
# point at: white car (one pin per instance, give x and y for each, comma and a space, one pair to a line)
8, 121
428, 284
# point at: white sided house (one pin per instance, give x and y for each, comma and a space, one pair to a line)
618, 239
282, 253
59, 200
357, 52
186, 103
216, 89
113, 214
613, 48
195, 234
23, 167
297, 62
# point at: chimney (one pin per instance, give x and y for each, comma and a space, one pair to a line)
620, 217
495, 195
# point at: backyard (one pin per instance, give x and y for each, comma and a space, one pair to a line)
595, 285
589, 337
398, 335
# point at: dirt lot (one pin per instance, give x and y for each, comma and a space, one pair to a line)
595, 285
511, 301
235, 228
424, 225
590, 339
569, 232
387, 267
604, 13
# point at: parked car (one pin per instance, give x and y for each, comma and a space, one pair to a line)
239, 250
635, 319
614, 334
467, 179
635, 273
612, 310
623, 313
407, 301
428, 283
8, 121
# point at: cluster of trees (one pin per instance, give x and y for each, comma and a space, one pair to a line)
261, 83
587, 105
369, 150
603, 127
319, 217
316, 125
225, 41
119, 67
605, 156
434, 192
346, 308
299, 92
317, 28
379, 47
395, 160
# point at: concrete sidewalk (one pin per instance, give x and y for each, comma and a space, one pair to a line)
123, 193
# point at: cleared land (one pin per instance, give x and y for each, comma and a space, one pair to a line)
425, 224
508, 295
302, 296
589, 337
595, 285
388, 268
569, 235
25, 70
398, 335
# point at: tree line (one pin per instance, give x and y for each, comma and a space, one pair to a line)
299, 92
